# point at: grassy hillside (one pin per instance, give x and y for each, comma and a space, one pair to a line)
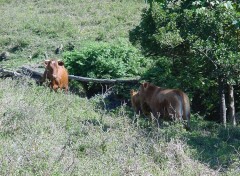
48, 133
31, 28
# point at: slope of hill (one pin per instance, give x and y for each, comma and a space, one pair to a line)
31, 28
47, 133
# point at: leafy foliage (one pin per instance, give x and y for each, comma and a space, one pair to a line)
199, 41
105, 60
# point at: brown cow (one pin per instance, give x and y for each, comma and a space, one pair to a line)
136, 104
168, 104
56, 73
135, 100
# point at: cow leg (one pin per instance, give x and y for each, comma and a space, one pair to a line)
55, 87
66, 89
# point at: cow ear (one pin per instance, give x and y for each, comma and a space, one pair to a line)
60, 63
145, 85
46, 62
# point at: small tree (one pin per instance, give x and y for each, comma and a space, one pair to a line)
199, 37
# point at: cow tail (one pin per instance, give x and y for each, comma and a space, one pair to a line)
186, 110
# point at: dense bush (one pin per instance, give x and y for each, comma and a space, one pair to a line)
106, 60
199, 42
109, 61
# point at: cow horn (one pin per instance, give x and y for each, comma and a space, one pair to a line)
46, 62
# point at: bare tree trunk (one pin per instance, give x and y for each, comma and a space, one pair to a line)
232, 115
223, 115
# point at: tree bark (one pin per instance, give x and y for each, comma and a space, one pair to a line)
232, 114
223, 115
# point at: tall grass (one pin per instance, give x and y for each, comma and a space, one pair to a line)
48, 133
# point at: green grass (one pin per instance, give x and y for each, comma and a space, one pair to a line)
48, 133
31, 28
215, 144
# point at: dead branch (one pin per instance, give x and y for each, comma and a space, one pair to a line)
85, 79
8, 73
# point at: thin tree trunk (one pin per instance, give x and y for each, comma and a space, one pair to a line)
223, 115
232, 114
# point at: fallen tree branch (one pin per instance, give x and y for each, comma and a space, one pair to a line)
33, 72
8, 73
85, 79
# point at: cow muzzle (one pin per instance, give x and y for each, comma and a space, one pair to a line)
54, 76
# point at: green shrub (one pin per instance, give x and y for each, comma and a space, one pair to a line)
187, 36
106, 60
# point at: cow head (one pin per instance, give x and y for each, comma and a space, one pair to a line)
143, 87
51, 67
133, 92
145, 90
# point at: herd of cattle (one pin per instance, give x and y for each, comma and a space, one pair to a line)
152, 101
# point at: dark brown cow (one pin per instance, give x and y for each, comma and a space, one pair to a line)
136, 104
168, 104
56, 73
